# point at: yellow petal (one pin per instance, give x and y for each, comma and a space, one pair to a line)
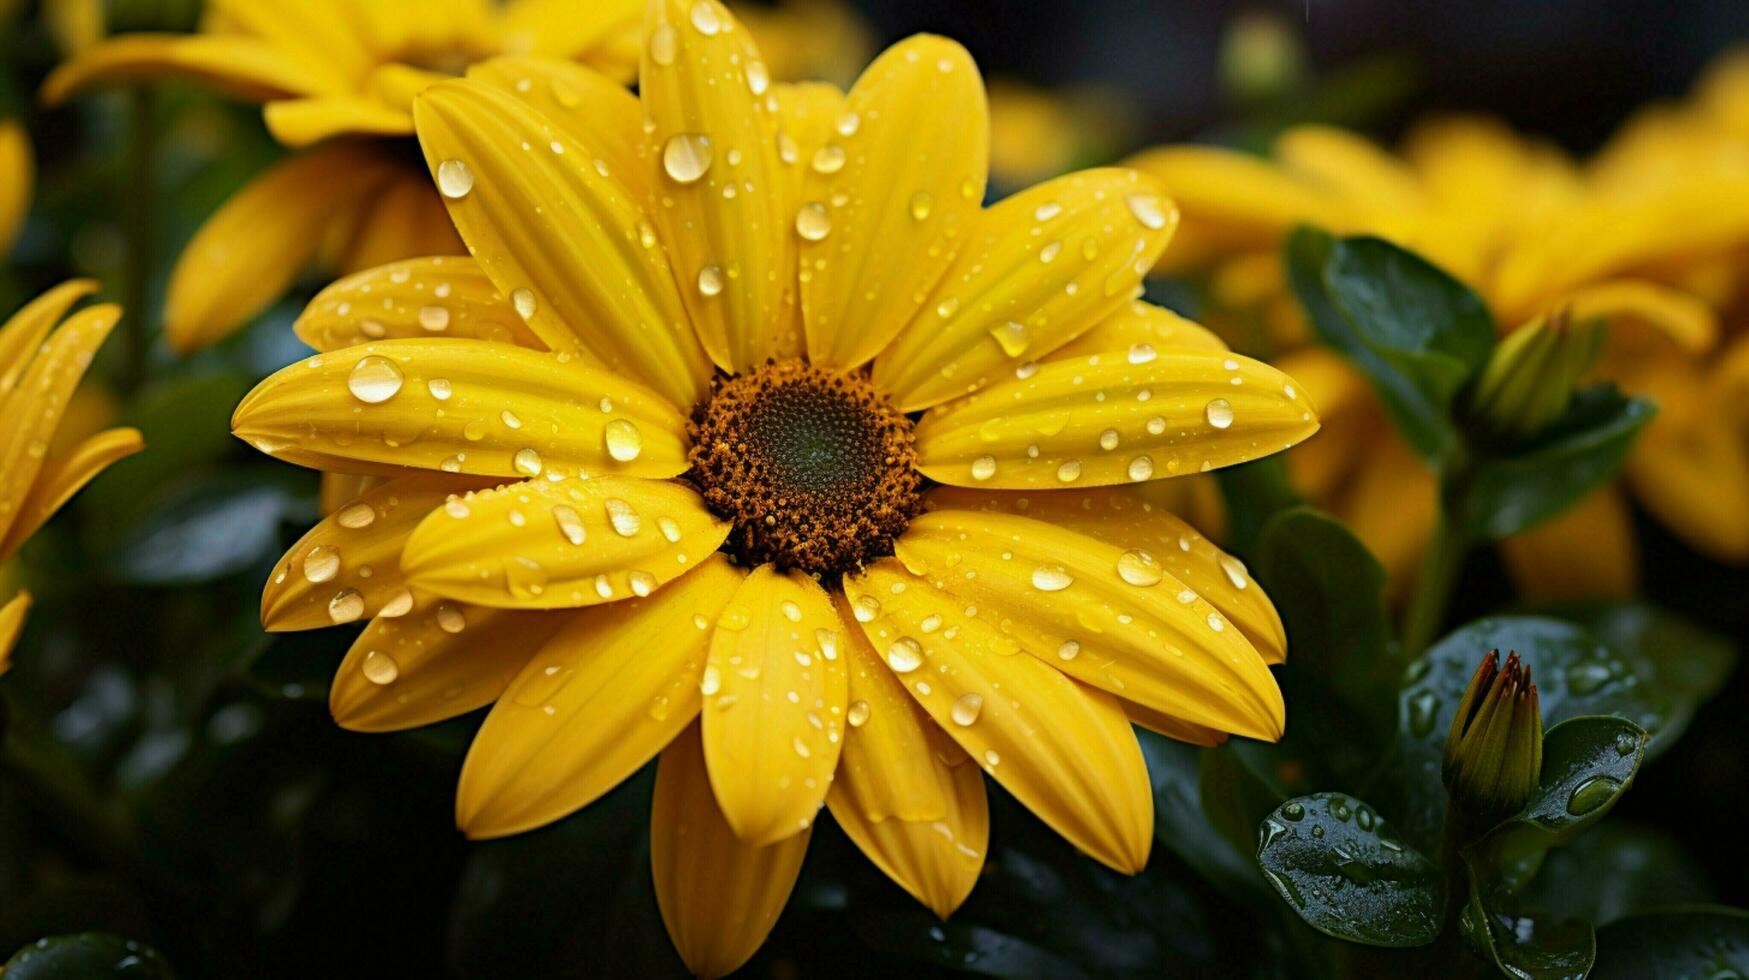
348, 567
886, 771
248, 251
443, 295
936, 860
63, 476
244, 67
437, 659
1161, 723
1683, 318
1690, 467
460, 406
1392, 506
719, 895
1351, 167
564, 242
404, 220
565, 28
11, 624
1586, 552
596, 111
1131, 518
17, 174
338, 489
24, 332
718, 195
333, 40
31, 412
397, 84
1250, 200
301, 122
1036, 271
1065, 751
808, 114
1110, 617
596, 702
890, 197
549, 544
1139, 326
774, 692
1109, 419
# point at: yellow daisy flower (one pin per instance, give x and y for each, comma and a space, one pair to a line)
40, 368
337, 81
835, 483
17, 178
1533, 233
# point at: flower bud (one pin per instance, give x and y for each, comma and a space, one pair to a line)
1529, 379
1262, 57
1494, 754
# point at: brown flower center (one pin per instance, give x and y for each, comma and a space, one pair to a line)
815, 469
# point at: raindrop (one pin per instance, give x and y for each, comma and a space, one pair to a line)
669, 527
570, 523
399, 604
1108, 440
642, 582
686, 156
624, 441
1141, 353
790, 610
1139, 568
1149, 210
1012, 337
1141, 468
1293, 810
812, 222
905, 655
346, 606
1235, 570
434, 318
966, 708
623, 517
523, 299
374, 379
321, 564
454, 179
527, 462
380, 668
663, 44
1592, 793
1219, 413
758, 78
1069, 649
440, 388
710, 280
1048, 211
829, 159
450, 618
1070, 471
711, 682
1423, 712
922, 203
983, 468
704, 18
1051, 578
865, 608
857, 713
356, 516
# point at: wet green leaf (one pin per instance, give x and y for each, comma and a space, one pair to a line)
1707, 941
1414, 331
1531, 947
1615, 869
86, 956
1235, 796
1180, 823
1341, 866
1505, 494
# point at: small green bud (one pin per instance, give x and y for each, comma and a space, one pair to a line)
1494, 753
1529, 379
1262, 57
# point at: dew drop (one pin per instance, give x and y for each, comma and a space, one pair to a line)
905, 655
399, 604
711, 682
1591, 794
1235, 570
704, 18
454, 179
922, 203
450, 618
865, 608
624, 440
758, 77
440, 388
1149, 210
380, 668
1069, 649
434, 318
642, 582
1047, 211
983, 468
356, 516
686, 156
1141, 468
321, 564
1051, 578
374, 379
812, 222
1108, 440
828, 159
1219, 413
669, 527
663, 44
1139, 568
857, 713
346, 606
523, 299
966, 708
1141, 353
623, 517
1070, 471
1012, 337
710, 280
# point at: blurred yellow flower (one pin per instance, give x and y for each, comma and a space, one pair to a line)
334, 74
40, 368
1036, 134
1621, 239
17, 178
750, 285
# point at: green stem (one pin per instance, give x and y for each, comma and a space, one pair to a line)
1433, 586
140, 194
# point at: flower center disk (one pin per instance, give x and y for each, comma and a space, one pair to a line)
815, 469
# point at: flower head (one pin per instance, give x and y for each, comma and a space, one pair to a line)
834, 482
1493, 756
41, 362
342, 75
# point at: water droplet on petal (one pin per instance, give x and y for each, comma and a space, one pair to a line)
346, 606
704, 18
1069, 649
380, 668
440, 388
624, 440
570, 523
966, 708
1012, 337
450, 618
1219, 412
829, 159
321, 564
1051, 578
523, 299
905, 655
356, 516
1069, 472
1141, 353
710, 280
374, 379
812, 222
454, 178
399, 604
664, 44
434, 318
623, 517
922, 203
857, 713
1149, 210
1141, 468
686, 156
983, 468
1137, 567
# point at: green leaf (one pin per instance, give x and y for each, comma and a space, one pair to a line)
1418, 334
208, 526
1688, 663
1343, 869
1675, 944
1531, 947
1506, 494
1180, 824
1235, 796
1253, 493
1574, 673
86, 956
1615, 869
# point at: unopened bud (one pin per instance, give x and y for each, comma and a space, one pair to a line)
1529, 379
1262, 57
1494, 754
